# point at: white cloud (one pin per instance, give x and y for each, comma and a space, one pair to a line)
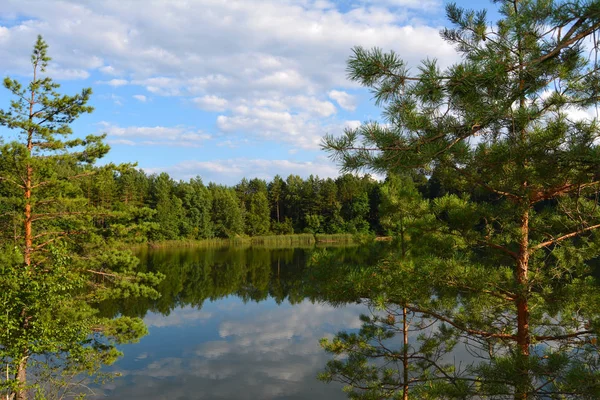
275, 70
180, 136
177, 317
345, 100
298, 121
272, 125
108, 70
121, 141
114, 82
412, 4
579, 114
231, 171
161, 85
211, 103
140, 97
313, 106
352, 124
282, 45
66, 73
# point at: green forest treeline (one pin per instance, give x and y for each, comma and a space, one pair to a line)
137, 207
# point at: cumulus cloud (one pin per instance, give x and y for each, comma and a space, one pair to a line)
411, 4
273, 70
178, 317
211, 103
56, 72
121, 141
140, 97
262, 353
114, 82
231, 171
108, 70
294, 45
345, 100
154, 135
298, 121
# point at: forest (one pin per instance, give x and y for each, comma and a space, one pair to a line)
157, 208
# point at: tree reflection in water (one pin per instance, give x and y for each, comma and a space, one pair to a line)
447, 329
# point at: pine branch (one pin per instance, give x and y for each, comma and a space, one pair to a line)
60, 236
11, 181
562, 337
68, 178
463, 328
63, 233
566, 42
37, 217
558, 191
485, 185
505, 250
564, 237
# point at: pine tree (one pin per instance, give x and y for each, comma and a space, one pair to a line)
55, 266
499, 125
276, 189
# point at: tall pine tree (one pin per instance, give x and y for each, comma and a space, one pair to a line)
55, 266
500, 127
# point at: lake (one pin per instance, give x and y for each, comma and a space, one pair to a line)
245, 323
232, 323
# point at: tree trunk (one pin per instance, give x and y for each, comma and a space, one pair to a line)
28, 233
523, 334
28, 182
405, 355
21, 378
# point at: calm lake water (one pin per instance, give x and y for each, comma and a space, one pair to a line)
232, 324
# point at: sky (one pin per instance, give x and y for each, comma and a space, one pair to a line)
221, 89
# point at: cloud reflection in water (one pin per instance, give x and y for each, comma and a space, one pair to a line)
232, 350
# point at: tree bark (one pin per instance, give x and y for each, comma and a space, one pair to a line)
405, 355
28, 179
522, 305
21, 378
28, 232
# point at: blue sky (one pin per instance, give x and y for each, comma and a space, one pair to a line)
215, 88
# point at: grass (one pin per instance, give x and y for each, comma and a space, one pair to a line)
296, 240
284, 240
334, 238
203, 243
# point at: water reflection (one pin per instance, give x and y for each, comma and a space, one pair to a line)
461, 339
234, 323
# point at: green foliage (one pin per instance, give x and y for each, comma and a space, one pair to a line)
140, 208
512, 218
257, 217
417, 367
226, 212
55, 261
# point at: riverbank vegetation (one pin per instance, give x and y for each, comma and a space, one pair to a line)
292, 240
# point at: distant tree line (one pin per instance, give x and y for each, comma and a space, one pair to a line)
137, 207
